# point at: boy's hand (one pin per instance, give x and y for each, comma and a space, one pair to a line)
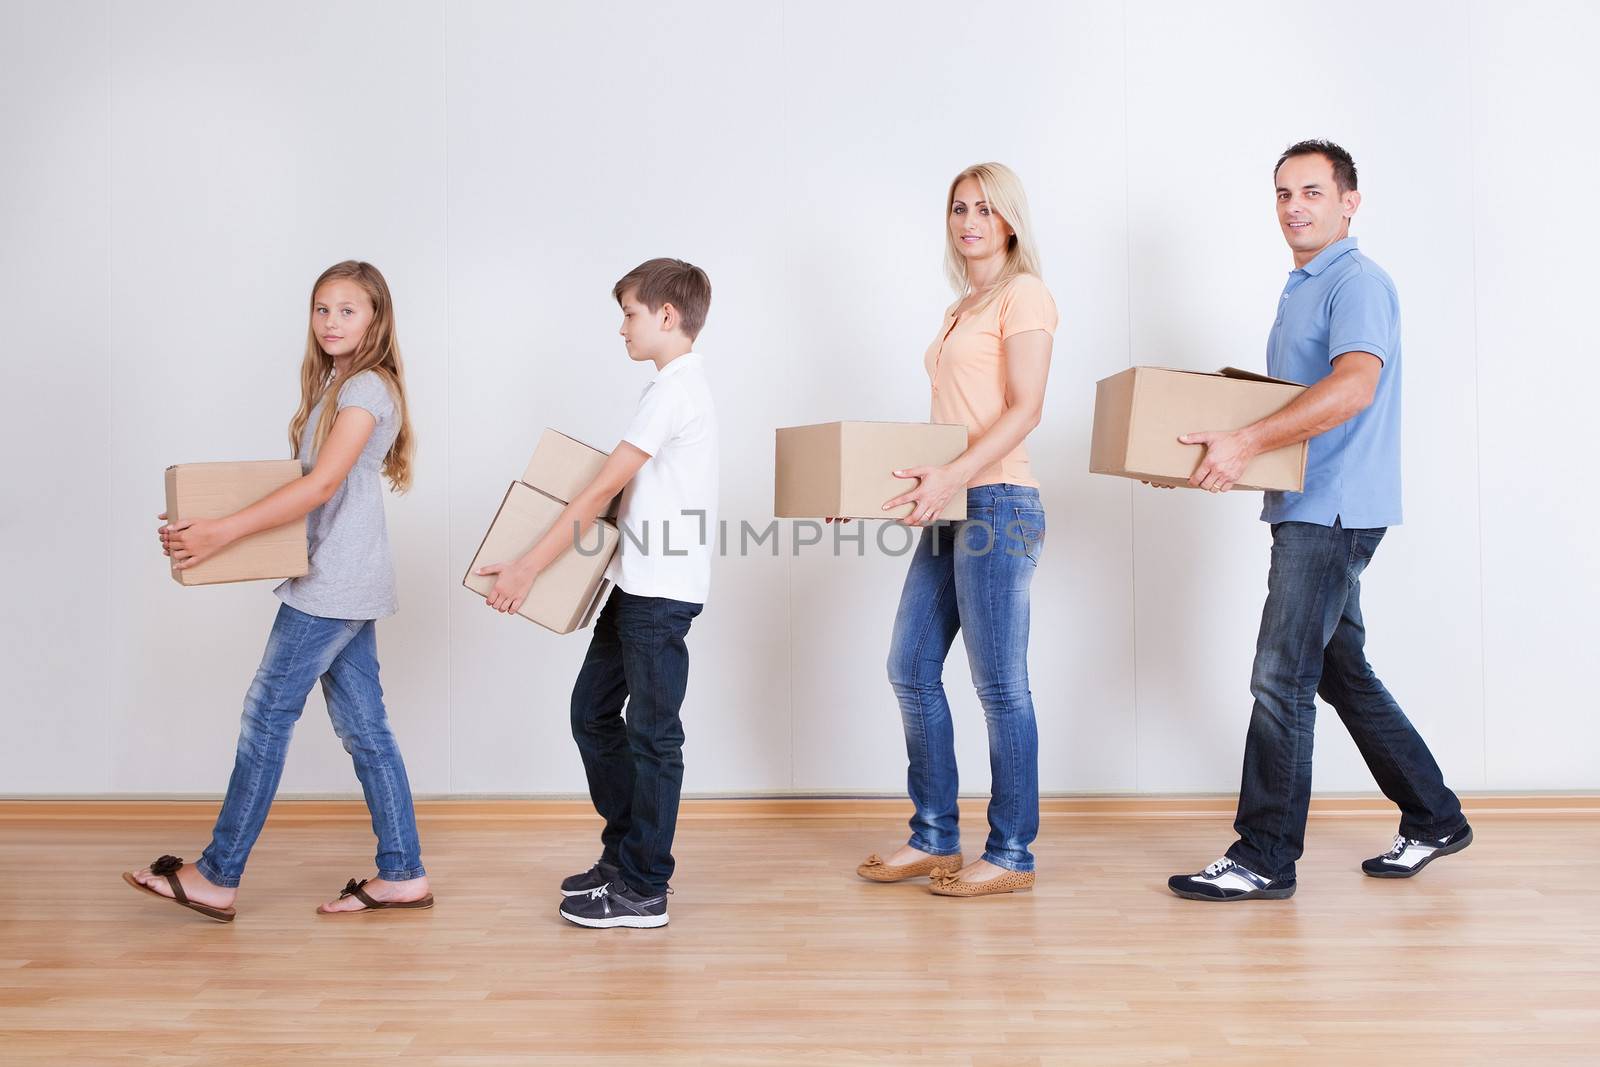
510, 588
195, 541
935, 487
161, 532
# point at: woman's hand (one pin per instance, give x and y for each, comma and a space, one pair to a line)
935, 487
195, 541
510, 588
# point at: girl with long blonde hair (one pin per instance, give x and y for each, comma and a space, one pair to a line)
352, 430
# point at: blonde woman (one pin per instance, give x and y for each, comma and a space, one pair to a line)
352, 429
987, 367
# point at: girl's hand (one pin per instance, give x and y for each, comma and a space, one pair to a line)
196, 541
161, 532
510, 589
935, 487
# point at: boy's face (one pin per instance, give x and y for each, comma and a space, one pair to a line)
644, 331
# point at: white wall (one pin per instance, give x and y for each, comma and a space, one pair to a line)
176, 174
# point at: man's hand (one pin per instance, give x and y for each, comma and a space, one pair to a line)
1228, 452
510, 588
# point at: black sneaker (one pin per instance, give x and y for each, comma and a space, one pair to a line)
590, 880
614, 904
1226, 880
1408, 855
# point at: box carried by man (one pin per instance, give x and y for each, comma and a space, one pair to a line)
1140, 413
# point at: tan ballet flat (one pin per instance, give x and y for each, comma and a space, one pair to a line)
875, 870
948, 883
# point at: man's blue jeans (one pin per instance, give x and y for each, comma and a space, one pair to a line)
343, 654
973, 578
1312, 642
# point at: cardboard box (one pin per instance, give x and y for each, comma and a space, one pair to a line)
566, 594
562, 466
212, 490
1140, 414
843, 469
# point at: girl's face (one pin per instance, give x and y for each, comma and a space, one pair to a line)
340, 314
977, 231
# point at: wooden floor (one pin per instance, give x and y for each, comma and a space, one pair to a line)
778, 954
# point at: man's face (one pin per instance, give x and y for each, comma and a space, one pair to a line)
1311, 211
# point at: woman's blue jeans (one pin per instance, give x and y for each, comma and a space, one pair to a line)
972, 577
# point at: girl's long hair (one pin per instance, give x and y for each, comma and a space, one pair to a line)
378, 351
1002, 190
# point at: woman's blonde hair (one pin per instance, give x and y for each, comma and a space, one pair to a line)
378, 351
1002, 190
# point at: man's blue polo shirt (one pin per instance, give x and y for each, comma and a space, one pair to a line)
1342, 302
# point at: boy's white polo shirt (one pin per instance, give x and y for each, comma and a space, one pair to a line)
668, 516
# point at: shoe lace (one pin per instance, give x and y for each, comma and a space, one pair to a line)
601, 893
1399, 846
1218, 867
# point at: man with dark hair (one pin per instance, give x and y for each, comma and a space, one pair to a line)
1344, 168
1337, 328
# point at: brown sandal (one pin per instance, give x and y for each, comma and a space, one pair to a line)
352, 888
167, 867
875, 870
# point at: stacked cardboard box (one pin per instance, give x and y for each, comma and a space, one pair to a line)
212, 490
567, 594
1140, 413
563, 466
846, 469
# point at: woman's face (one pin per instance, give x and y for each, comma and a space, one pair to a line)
977, 231
340, 314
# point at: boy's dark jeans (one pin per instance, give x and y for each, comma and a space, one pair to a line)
1312, 642
635, 765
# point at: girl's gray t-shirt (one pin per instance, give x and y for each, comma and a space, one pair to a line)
352, 569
